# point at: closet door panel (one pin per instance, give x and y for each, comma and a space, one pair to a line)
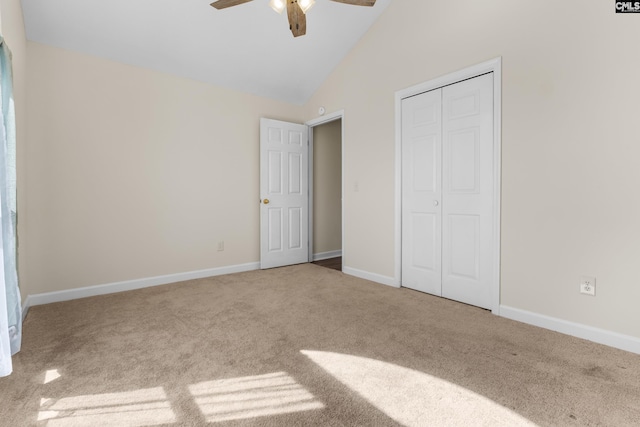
421, 192
467, 193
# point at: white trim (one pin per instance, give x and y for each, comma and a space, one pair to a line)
373, 277
310, 217
326, 255
325, 119
497, 180
398, 190
336, 115
129, 285
494, 66
600, 336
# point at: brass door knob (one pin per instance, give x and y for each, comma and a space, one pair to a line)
265, 201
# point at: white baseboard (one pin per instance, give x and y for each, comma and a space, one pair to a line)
378, 278
600, 336
326, 255
130, 285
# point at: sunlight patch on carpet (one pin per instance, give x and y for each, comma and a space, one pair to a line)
144, 407
414, 398
251, 397
51, 375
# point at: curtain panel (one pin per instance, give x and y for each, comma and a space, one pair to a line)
10, 304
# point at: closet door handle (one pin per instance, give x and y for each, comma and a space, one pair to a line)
436, 203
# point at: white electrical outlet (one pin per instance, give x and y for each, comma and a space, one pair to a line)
221, 245
588, 285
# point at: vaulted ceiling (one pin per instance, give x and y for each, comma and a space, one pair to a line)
247, 47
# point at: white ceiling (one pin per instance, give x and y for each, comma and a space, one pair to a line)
247, 47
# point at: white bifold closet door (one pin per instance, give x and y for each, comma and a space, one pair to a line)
448, 191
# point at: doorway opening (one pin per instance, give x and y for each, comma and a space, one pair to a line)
325, 191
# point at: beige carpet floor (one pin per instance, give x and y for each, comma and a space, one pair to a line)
305, 346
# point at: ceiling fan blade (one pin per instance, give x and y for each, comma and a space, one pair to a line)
297, 18
223, 4
358, 2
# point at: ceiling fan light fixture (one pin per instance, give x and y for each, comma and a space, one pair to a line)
306, 5
277, 5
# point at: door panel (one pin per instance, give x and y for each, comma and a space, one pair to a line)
295, 174
467, 199
295, 228
284, 182
275, 172
275, 229
464, 246
463, 161
421, 192
424, 251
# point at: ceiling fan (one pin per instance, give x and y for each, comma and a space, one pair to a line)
296, 10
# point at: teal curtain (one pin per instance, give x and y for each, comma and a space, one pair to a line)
10, 305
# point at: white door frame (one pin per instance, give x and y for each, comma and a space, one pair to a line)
492, 66
330, 117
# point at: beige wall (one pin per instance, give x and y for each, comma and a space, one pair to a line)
12, 29
327, 187
570, 143
134, 173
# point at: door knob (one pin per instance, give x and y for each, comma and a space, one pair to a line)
265, 201
436, 203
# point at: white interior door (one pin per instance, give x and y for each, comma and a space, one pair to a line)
284, 193
447, 191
